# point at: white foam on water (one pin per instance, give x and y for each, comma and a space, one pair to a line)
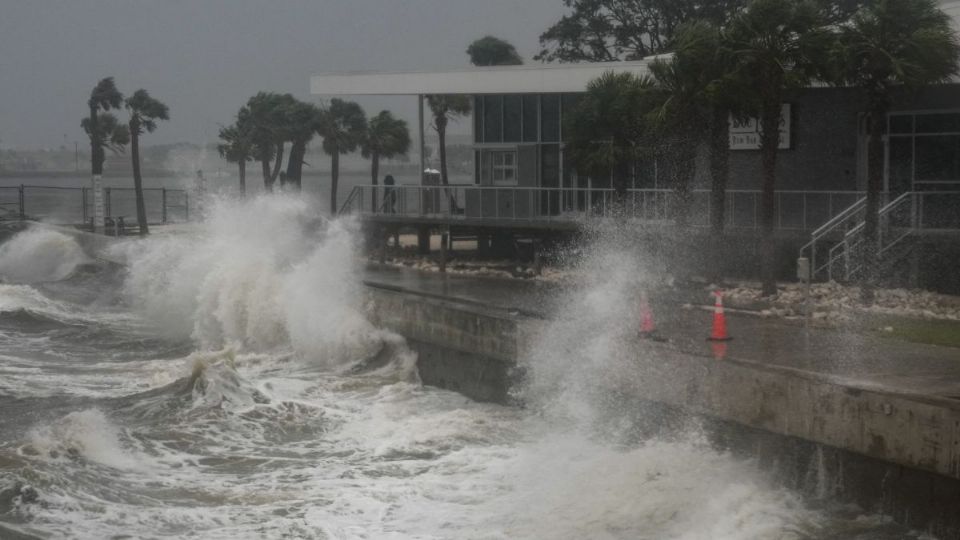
37, 255
262, 433
262, 274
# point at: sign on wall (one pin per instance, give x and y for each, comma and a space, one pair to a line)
745, 135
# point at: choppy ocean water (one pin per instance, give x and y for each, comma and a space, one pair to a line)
226, 384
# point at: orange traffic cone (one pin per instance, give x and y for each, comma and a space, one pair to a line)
719, 320
647, 328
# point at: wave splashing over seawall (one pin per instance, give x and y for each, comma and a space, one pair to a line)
261, 274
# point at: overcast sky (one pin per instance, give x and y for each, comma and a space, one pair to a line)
204, 58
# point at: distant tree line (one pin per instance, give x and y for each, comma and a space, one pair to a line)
739, 58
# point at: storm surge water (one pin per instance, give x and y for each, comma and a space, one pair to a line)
224, 383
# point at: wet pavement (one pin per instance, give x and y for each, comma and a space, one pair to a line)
850, 358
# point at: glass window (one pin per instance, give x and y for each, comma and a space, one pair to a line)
512, 118
503, 167
938, 158
938, 123
550, 118
901, 164
569, 103
477, 166
901, 124
492, 119
531, 118
478, 119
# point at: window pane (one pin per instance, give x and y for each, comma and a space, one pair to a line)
569, 103
531, 118
550, 118
938, 123
478, 119
901, 124
492, 119
512, 117
938, 158
901, 164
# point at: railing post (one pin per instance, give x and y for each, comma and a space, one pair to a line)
106, 202
163, 205
22, 204
83, 204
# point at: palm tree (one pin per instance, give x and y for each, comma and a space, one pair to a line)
444, 109
777, 45
342, 127
144, 113
610, 124
102, 128
303, 120
266, 112
891, 44
386, 137
237, 148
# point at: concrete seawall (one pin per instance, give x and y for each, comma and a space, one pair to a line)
893, 452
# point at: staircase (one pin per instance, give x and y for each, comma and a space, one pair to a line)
843, 237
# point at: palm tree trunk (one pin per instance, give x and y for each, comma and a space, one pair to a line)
769, 146
277, 163
374, 175
442, 141
869, 251
295, 163
138, 182
334, 180
267, 179
719, 169
96, 151
686, 168
242, 164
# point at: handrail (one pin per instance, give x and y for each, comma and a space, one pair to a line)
350, 198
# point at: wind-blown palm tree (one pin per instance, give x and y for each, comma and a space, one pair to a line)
343, 127
144, 113
266, 113
303, 120
102, 128
610, 124
888, 45
386, 137
446, 107
237, 147
777, 45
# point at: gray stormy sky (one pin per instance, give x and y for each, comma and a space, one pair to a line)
204, 58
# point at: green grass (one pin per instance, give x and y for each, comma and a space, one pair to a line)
945, 333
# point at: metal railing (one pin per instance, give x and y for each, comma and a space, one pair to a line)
898, 220
74, 205
794, 210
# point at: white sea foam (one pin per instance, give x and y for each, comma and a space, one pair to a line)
38, 255
261, 274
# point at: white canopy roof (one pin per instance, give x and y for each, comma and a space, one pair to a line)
532, 79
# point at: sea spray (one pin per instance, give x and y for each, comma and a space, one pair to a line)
260, 274
38, 255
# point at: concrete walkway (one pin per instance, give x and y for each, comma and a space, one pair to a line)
852, 359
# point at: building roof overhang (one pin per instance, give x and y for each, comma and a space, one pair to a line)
526, 79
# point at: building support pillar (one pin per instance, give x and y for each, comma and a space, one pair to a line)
423, 240
444, 240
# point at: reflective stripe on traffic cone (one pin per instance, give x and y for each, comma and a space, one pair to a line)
647, 328
719, 321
